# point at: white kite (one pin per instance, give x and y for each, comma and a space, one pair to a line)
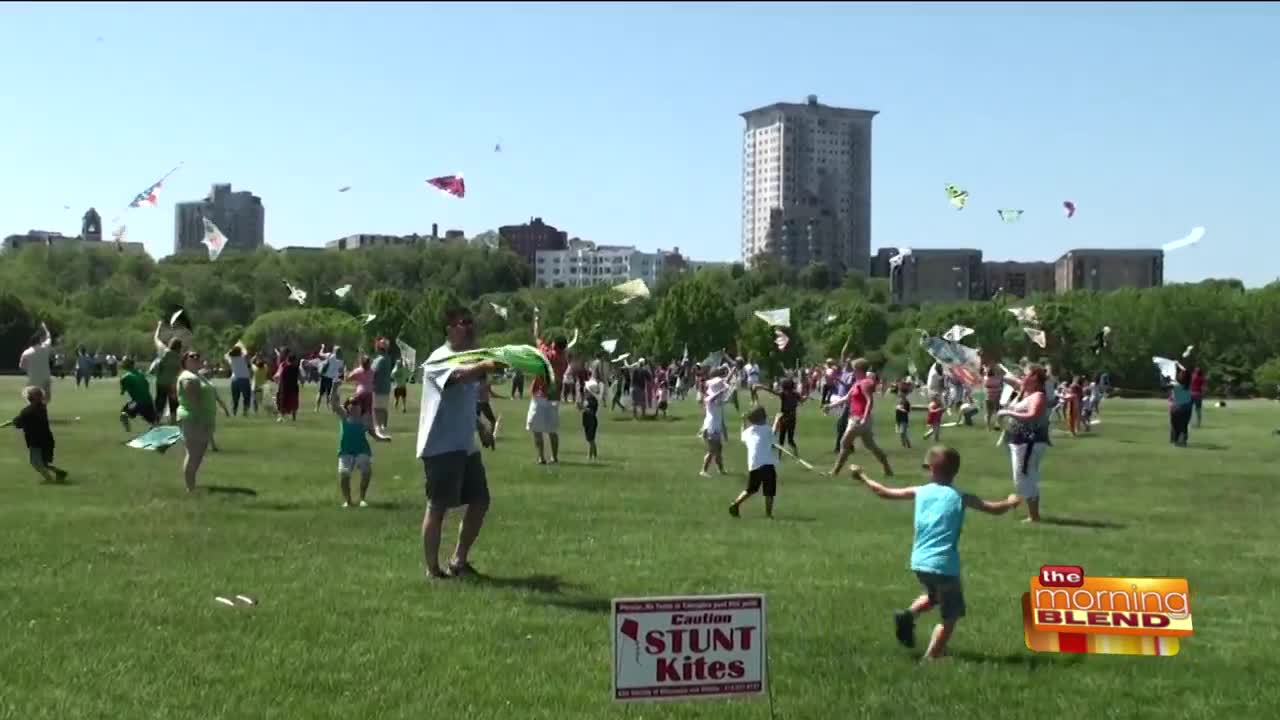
609, 346
213, 239
342, 291
408, 355
1036, 336
957, 333
776, 318
621, 357
367, 318
897, 260
1024, 315
832, 318
633, 289
1191, 239
295, 294
574, 341
1168, 368
501, 311
1187, 353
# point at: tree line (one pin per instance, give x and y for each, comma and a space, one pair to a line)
110, 302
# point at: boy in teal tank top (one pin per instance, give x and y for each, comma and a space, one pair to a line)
935, 553
354, 451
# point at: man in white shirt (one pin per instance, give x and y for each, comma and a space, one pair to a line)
35, 361
451, 462
752, 371
331, 374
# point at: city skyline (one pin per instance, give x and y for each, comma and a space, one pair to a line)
637, 148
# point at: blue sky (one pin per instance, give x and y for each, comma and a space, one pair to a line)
619, 123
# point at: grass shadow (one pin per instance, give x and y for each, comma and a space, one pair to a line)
574, 463
1075, 522
1028, 661
543, 584
230, 490
589, 605
1212, 447
788, 519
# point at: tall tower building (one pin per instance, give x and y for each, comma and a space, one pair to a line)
239, 215
806, 185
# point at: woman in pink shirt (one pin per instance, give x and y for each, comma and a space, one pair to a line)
362, 378
861, 399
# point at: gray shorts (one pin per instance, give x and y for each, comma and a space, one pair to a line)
454, 479
944, 592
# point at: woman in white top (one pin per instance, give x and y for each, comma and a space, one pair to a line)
332, 371
718, 393
241, 378
1028, 435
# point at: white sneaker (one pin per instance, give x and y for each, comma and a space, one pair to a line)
704, 474
346, 505
364, 504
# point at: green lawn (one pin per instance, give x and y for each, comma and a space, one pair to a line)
107, 584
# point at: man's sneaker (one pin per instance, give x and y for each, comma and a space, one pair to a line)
733, 510
434, 574
905, 628
464, 569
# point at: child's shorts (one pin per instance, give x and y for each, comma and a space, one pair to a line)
40, 456
902, 428
349, 463
401, 392
765, 476
945, 592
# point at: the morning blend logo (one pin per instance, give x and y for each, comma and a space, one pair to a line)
1067, 612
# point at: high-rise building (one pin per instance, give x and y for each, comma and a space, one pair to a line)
239, 215
806, 185
527, 239
1106, 270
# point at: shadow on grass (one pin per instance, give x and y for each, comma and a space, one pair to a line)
574, 463
1213, 447
1028, 660
1076, 522
549, 590
230, 490
789, 519
589, 605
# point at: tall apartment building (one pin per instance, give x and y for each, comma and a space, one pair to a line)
806, 184
1106, 270
938, 276
1018, 279
527, 239
584, 264
239, 215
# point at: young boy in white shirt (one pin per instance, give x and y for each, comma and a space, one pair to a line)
761, 461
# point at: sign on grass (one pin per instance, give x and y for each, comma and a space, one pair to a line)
674, 648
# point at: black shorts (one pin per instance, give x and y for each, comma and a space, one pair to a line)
945, 592
326, 386
765, 476
454, 479
401, 391
135, 409
590, 423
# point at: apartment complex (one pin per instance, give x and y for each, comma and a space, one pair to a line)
583, 264
528, 239
806, 184
239, 215
929, 275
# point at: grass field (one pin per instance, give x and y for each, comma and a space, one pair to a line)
107, 583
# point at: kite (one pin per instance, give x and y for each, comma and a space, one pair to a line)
524, 358
832, 318
118, 237
1010, 216
497, 147
1024, 315
1100, 340
408, 355
1187, 353
366, 318
961, 362
781, 339
150, 196
1036, 336
609, 346
897, 260
776, 318
1192, 238
957, 333
1070, 207
449, 184
159, 438
633, 289
1168, 368
342, 291
179, 319
501, 311
295, 294
344, 188
574, 341
621, 358
957, 197
66, 207
685, 356
213, 239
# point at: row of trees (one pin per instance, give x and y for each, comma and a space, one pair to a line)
110, 303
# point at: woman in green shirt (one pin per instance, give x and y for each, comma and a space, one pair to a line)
197, 413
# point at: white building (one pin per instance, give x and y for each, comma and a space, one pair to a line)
584, 264
806, 184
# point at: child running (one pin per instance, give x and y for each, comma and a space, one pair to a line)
400, 380
902, 419
136, 386
935, 552
933, 419
354, 451
784, 426
762, 472
33, 421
